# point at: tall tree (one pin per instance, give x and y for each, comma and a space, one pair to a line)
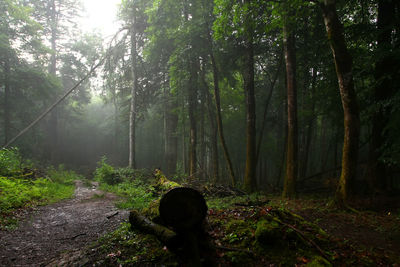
248, 80
343, 63
208, 7
18, 32
289, 186
132, 112
384, 91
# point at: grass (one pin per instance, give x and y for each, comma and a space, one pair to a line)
135, 194
21, 186
129, 184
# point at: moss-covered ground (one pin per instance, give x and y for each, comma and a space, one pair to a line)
257, 230
269, 233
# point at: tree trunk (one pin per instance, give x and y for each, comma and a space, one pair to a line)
343, 64
202, 154
132, 114
310, 125
170, 135
213, 132
383, 91
53, 120
289, 185
192, 119
183, 125
7, 92
220, 127
266, 105
248, 80
164, 234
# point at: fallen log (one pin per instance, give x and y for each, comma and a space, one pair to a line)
164, 234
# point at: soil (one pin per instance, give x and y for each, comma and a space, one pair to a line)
48, 231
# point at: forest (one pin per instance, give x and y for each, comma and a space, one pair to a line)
276, 121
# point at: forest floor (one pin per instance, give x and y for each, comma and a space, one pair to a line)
88, 230
47, 231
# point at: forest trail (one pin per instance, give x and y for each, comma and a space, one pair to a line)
50, 230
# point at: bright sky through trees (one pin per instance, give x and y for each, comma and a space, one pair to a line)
100, 15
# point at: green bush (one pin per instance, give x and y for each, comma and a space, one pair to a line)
62, 176
10, 161
106, 173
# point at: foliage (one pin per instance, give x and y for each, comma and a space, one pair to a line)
136, 194
132, 185
17, 193
22, 186
10, 161
106, 173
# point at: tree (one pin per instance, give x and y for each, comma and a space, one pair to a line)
289, 187
237, 22
343, 64
57, 18
248, 80
383, 92
217, 98
18, 31
132, 112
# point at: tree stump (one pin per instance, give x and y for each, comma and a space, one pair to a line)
183, 208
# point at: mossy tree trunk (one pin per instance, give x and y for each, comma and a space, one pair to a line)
289, 185
343, 64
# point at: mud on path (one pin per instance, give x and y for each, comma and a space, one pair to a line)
51, 230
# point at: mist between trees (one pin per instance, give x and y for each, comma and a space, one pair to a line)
295, 96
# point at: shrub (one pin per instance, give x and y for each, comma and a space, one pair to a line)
10, 161
106, 173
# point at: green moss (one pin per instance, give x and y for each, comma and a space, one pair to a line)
268, 232
238, 258
152, 209
239, 232
318, 261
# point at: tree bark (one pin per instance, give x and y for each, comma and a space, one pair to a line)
343, 64
218, 114
266, 105
170, 135
192, 119
213, 141
7, 93
289, 186
163, 233
383, 92
310, 125
202, 140
213, 130
248, 80
132, 114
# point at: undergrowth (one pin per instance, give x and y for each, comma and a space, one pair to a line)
22, 186
132, 185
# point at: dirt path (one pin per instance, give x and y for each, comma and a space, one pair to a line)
68, 225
